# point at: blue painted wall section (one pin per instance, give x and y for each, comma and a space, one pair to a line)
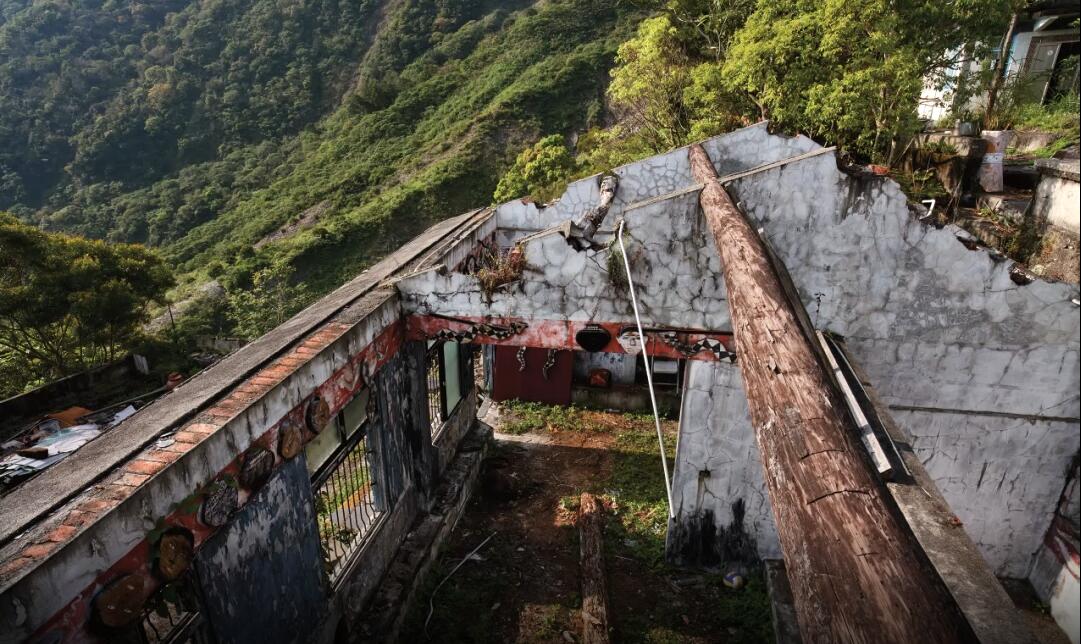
261, 576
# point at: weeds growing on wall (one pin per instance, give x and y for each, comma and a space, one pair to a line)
499, 269
617, 271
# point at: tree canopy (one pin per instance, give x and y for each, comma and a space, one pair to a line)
846, 72
539, 171
68, 303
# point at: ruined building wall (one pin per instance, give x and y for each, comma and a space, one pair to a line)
982, 372
235, 479
260, 576
1056, 573
719, 491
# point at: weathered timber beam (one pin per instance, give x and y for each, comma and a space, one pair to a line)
590, 221
594, 588
856, 573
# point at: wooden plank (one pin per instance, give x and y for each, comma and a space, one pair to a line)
856, 574
594, 588
867, 434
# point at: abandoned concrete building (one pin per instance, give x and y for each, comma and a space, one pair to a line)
296, 489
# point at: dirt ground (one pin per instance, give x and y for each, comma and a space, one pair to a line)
523, 584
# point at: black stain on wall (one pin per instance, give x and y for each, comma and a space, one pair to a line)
697, 540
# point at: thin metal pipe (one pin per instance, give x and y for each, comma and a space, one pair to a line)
649, 370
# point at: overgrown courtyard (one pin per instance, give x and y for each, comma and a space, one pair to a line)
523, 584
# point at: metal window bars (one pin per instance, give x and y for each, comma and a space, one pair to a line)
437, 404
346, 506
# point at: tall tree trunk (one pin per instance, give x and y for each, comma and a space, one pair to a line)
1000, 65
857, 575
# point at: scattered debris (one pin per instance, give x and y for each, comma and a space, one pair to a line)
51, 439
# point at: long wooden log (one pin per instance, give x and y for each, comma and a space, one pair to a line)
594, 588
856, 573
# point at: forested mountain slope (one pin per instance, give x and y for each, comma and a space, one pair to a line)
203, 126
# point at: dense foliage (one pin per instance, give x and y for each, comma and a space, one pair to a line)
850, 71
846, 72
279, 143
121, 94
67, 303
539, 171
209, 128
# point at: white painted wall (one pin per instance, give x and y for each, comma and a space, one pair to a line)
935, 325
715, 435
1058, 201
1057, 570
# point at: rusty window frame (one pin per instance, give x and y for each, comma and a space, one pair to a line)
345, 517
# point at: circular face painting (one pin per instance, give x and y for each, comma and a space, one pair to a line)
630, 341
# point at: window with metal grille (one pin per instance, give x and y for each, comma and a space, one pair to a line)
450, 374
172, 616
347, 500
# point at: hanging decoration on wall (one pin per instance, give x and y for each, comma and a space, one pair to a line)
715, 346
317, 415
255, 470
549, 362
630, 341
521, 359
497, 331
221, 501
593, 338
290, 440
176, 549
121, 603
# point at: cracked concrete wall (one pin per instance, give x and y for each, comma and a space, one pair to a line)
980, 371
983, 373
674, 265
717, 478
648, 178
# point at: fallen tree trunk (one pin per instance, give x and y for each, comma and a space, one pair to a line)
594, 589
856, 573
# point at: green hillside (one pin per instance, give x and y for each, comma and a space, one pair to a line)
201, 127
